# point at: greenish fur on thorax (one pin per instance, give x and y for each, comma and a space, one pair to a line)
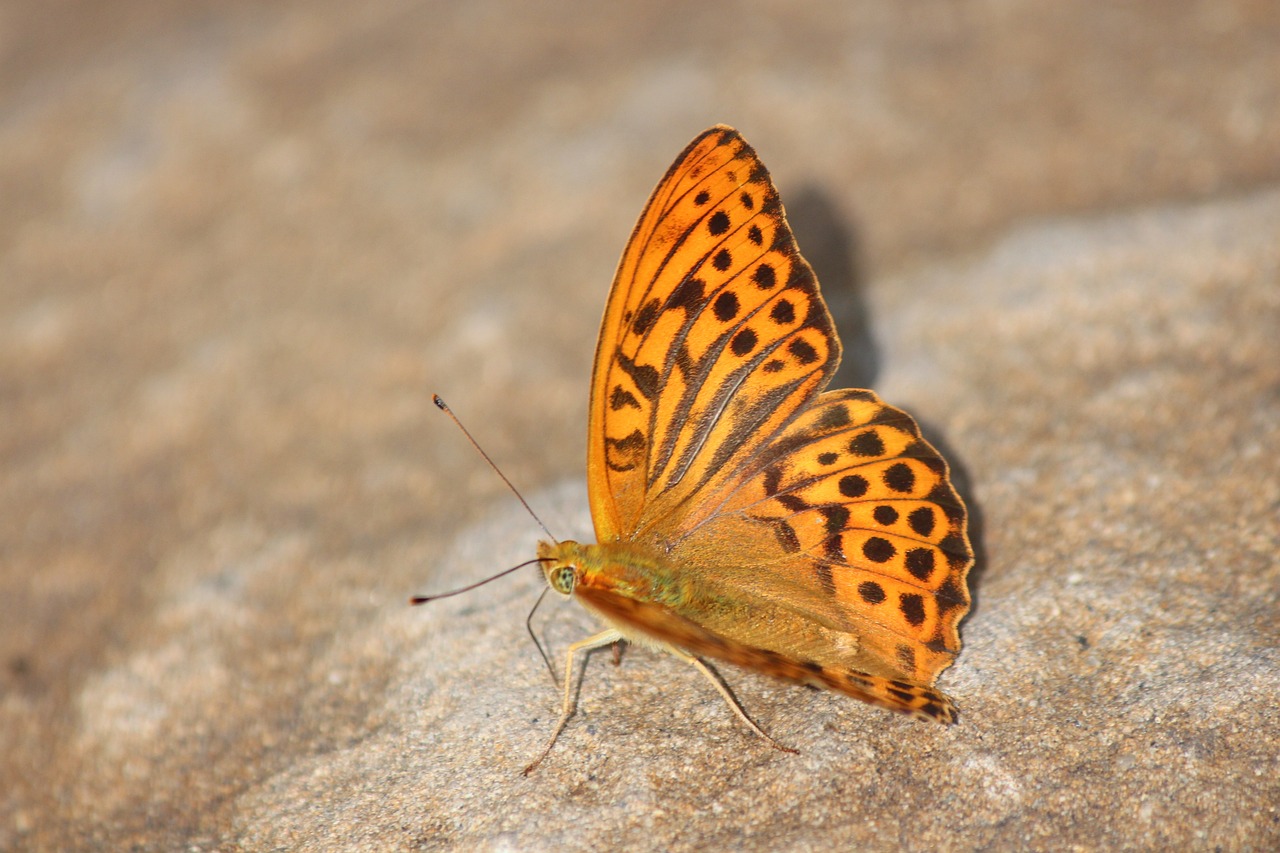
727, 610
631, 570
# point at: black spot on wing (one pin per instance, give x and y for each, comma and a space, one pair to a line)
772, 477
900, 477
726, 306
688, 295
764, 277
885, 515
644, 376
833, 418
921, 520
871, 592
793, 503
920, 563
950, 595
877, 549
630, 448
743, 342
853, 485
646, 317
836, 517
803, 351
783, 312
784, 533
867, 444
620, 398
956, 549
911, 606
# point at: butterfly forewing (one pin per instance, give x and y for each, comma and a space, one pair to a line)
714, 337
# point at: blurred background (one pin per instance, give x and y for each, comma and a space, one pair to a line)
241, 244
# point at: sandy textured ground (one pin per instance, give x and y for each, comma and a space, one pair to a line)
242, 243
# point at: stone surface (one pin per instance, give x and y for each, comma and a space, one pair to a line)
242, 243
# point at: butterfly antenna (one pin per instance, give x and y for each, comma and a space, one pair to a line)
444, 407
423, 599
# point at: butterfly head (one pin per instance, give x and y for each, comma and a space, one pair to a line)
560, 564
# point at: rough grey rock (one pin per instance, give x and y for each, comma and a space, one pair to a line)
241, 244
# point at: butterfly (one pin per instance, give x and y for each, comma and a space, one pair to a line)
742, 512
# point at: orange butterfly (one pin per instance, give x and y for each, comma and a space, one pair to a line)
743, 513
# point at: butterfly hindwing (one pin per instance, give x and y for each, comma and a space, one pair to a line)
852, 519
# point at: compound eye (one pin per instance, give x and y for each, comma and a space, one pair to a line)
562, 580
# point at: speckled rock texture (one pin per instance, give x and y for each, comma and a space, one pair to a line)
242, 243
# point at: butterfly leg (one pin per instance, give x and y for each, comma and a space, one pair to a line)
596, 641
724, 691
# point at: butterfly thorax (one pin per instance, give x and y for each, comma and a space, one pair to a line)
637, 589
624, 569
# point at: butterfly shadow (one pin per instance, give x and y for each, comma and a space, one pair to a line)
830, 242
962, 481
